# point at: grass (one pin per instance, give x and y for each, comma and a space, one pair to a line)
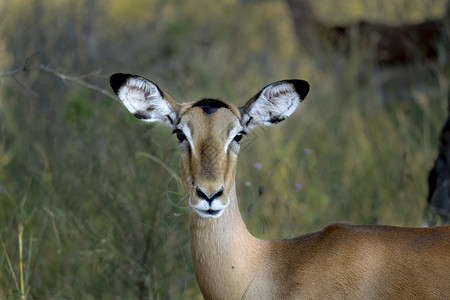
93, 196
83, 218
90, 201
368, 163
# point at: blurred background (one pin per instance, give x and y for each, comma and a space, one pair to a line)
90, 201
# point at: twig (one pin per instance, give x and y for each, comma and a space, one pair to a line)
76, 79
12, 72
22, 285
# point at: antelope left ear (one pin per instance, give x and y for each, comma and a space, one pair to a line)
274, 103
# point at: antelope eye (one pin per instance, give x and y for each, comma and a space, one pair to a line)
239, 136
180, 135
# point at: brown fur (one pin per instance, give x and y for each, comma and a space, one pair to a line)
342, 261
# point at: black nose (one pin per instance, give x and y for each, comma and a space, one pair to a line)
207, 197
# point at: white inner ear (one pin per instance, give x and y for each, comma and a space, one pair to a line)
275, 103
143, 99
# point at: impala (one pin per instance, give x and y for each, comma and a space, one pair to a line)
342, 261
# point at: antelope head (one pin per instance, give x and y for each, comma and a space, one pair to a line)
209, 131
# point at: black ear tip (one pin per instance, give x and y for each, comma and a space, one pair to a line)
301, 86
118, 80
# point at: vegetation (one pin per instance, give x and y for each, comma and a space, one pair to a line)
90, 203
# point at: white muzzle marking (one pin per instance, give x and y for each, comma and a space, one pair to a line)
206, 210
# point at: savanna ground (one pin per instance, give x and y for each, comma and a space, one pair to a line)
90, 201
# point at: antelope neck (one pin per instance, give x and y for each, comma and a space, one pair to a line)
228, 228
224, 253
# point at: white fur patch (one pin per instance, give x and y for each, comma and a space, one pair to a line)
187, 132
231, 136
203, 208
275, 103
143, 99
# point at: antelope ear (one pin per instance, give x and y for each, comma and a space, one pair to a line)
274, 103
144, 99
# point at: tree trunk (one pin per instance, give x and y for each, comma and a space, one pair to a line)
439, 179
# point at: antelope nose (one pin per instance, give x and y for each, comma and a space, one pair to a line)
209, 198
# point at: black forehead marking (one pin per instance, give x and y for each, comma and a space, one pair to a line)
210, 106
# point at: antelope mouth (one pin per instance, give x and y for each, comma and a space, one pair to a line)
213, 212
210, 213
206, 210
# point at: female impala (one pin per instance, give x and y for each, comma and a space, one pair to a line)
341, 261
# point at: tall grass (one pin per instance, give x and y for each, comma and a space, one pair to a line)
356, 154
98, 213
90, 207
97, 223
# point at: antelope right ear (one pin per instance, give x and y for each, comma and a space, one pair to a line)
274, 103
144, 99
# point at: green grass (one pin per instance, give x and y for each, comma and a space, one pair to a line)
368, 160
98, 225
94, 190
97, 207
